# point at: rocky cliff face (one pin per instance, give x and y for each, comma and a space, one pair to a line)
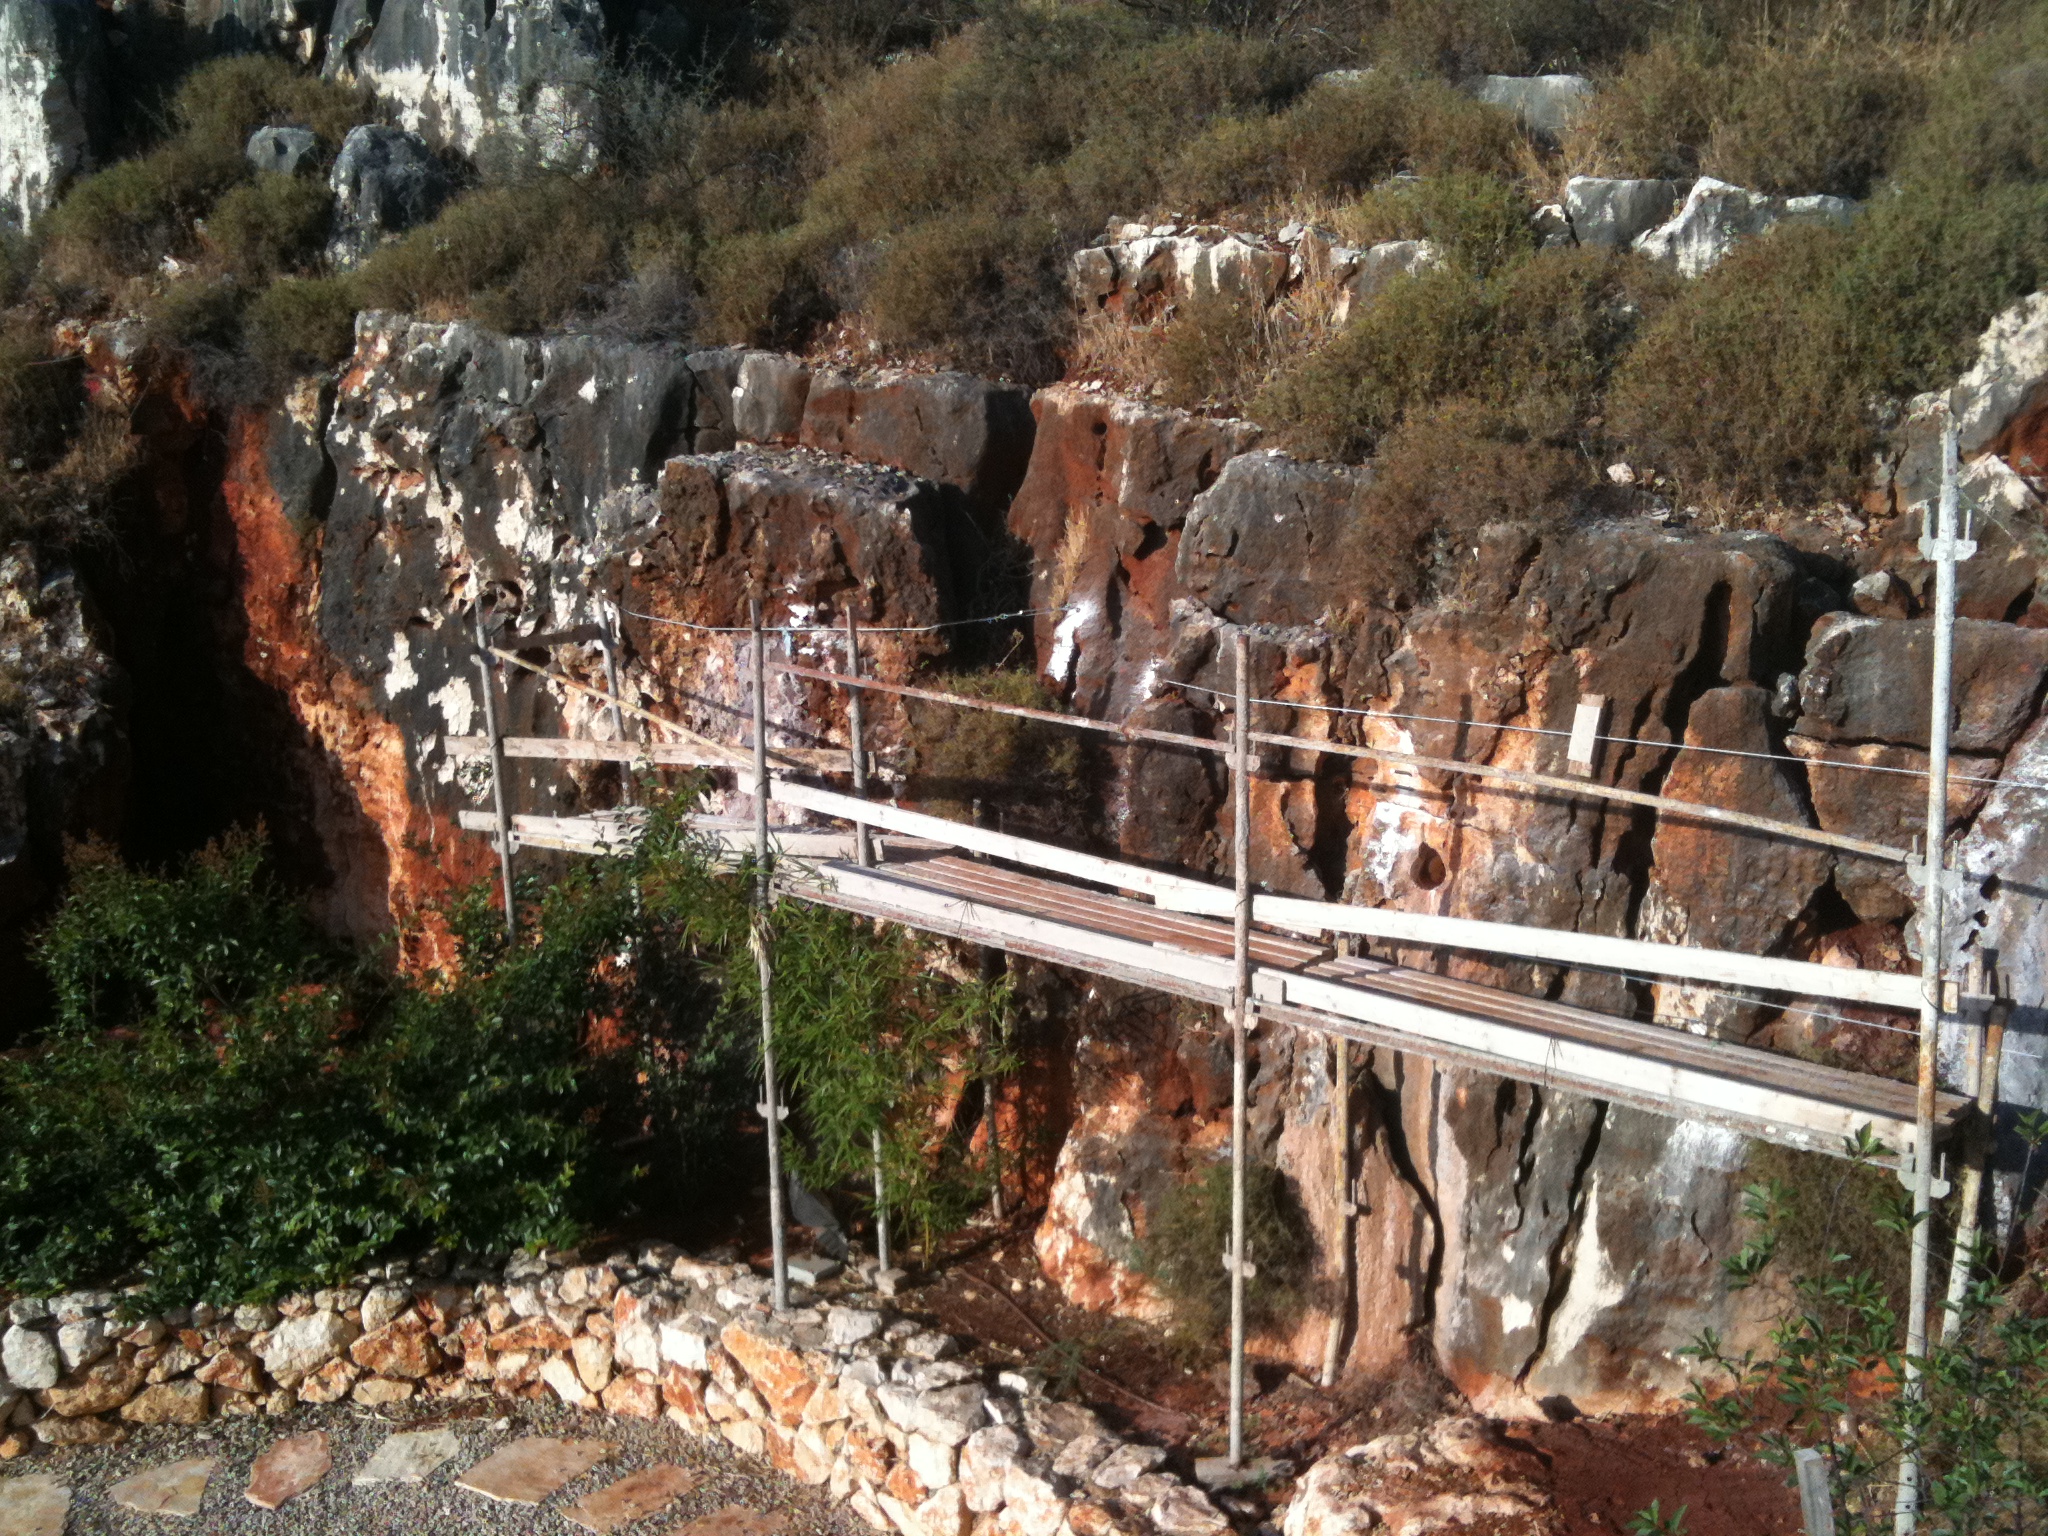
1533, 1245
52, 111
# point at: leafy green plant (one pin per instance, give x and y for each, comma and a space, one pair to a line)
1189, 1231
1477, 221
873, 1039
228, 1106
300, 324
1654, 1521
1831, 1379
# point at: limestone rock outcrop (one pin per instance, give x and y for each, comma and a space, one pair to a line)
53, 107
1717, 215
527, 73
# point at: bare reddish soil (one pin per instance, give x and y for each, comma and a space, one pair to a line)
989, 1288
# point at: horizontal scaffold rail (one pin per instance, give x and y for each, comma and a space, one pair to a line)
1553, 783
1167, 930
1648, 1066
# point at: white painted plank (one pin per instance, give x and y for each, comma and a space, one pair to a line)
1680, 1088
1001, 845
1726, 967
1179, 893
947, 912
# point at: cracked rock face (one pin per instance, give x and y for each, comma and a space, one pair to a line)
52, 106
63, 758
1537, 1245
463, 71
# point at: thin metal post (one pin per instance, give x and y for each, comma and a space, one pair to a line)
1340, 1114
609, 645
1989, 1053
881, 1210
1943, 550
856, 732
499, 800
771, 1108
1240, 1002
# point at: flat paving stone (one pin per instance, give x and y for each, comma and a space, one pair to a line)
733, 1520
529, 1470
34, 1505
173, 1489
288, 1469
633, 1497
410, 1458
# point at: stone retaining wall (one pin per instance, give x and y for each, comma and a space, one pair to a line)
837, 1391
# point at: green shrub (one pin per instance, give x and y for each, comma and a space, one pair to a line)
871, 1038
1341, 138
196, 312
1444, 474
1756, 380
271, 224
984, 287
225, 100
121, 222
17, 263
1655, 115
228, 1107
1477, 221
516, 258
764, 289
299, 325
1536, 341
1822, 118
1977, 1425
1023, 766
1187, 1234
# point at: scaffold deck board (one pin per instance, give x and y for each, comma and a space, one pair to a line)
1650, 1066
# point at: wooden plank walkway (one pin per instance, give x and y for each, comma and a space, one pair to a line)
1157, 929
1649, 1066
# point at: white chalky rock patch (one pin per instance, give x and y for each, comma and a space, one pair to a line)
175, 1489
410, 1458
33, 1506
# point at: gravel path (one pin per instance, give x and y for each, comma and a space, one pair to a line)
435, 1507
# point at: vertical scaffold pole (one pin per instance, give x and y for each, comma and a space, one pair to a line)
1943, 550
499, 800
1989, 1052
1340, 1116
1240, 1028
764, 893
856, 735
610, 646
864, 855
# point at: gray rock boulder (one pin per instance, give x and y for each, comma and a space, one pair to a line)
385, 181
1377, 266
1717, 215
1275, 536
768, 398
53, 105
1610, 212
284, 150
31, 1359
1867, 680
1543, 104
